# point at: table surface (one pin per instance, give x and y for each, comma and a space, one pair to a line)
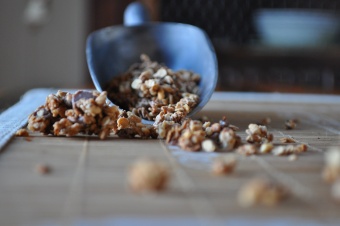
87, 185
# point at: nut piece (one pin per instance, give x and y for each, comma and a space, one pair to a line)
261, 192
224, 165
42, 169
123, 123
148, 175
22, 133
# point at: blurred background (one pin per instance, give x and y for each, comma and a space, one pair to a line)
261, 45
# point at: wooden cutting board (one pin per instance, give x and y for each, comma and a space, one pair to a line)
87, 185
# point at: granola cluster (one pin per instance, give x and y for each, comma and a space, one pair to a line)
247, 149
22, 133
42, 169
258, 134
85, 112
286, 140
335, 191
148, 175
280, 150
261, 191
129, 126
331, 170
289, 149
266, 148
176, 112
195, 135
290, 124
224, 165
154, 92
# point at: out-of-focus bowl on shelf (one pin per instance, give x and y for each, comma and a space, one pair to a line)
296, 28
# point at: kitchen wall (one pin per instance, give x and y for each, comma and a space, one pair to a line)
50, 55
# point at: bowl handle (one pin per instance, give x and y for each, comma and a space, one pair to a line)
136, 14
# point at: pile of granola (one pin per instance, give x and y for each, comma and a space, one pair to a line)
89, 113
154, 92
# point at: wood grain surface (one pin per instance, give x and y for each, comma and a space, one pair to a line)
87, 185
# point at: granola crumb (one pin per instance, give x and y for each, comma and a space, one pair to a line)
331, 170
301, 148
148, 175
247, 149
204, 119
228, 139
42, 169
258, 134
208, 145
330, 174
286, 140
332, 157
335, 191
224, 165
292, 157
261, 192
266, 148
284, 150
22, 133
266, 121
291, 124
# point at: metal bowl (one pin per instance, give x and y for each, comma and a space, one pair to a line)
296, 28
112, 50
